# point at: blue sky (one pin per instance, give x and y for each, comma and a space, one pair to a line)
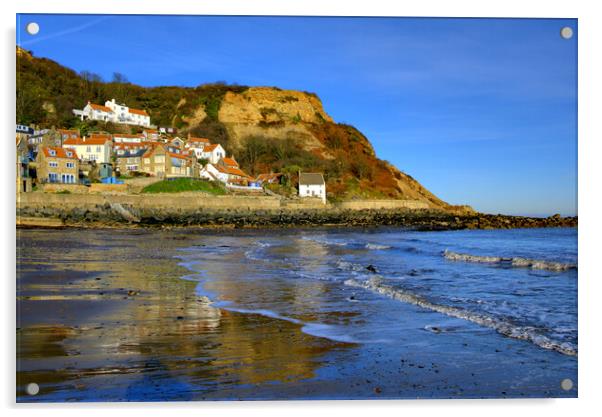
480, 111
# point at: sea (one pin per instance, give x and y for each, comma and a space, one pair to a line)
296, 313
521, 283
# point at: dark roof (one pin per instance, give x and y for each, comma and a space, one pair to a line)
307, 178
132, 153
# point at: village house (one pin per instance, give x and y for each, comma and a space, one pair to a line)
312, 185
45, 137
151, 134
272, 178
129, 161
23, 159
176, 142
127, 138
225, 173
123, 147
27, 130
196, 145
96, 147
68, 134
57, 165
115, 113
213, 153
168, 130
159, 161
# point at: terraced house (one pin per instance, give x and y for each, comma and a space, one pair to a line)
96, 147
130, 160
57, 165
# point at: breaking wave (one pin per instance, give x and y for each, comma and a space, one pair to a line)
528, 333
376, 246
515, 262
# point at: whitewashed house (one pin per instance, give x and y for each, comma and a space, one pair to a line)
127, 138
211, 173
312, 185
115, 113
213, 153
96, 147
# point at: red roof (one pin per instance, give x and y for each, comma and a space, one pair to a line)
268, 177
140, 112
59, 152
199, 140
92, 140
177, 155
210, 148
231, 162
231, 171
100, 108
127, 135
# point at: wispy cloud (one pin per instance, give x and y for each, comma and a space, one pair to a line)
64, 32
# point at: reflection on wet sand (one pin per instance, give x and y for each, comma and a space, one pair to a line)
104, 315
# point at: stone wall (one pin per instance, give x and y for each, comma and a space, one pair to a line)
176, 202
58, 187
195, 201
108, 188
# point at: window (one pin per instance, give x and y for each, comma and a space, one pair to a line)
69, 164
88, 149
98, 149
52, 177
53, 164
52, 152
159, 159
69, 154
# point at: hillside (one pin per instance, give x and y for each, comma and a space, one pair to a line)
265, 128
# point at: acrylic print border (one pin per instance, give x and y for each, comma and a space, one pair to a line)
582, 206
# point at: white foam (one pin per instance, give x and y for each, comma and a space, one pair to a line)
515, 262
376, 246
375, 284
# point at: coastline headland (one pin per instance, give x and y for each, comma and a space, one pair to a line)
196, 210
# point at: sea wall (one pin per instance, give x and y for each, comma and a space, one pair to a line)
176, 202
39, 209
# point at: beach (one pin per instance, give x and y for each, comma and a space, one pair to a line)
201, 314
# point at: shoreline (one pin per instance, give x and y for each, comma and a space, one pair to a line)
415, 220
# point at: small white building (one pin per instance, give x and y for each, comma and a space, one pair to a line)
96, 147
312, 185
127, 138
213, 153
211, 173
115, 113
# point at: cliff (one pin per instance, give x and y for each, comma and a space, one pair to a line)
267, 129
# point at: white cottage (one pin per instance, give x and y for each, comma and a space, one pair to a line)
115, 113
213, 153
312, 185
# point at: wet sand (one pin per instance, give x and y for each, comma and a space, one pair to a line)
104, 315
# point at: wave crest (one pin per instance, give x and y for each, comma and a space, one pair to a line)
515, 262
528, 333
